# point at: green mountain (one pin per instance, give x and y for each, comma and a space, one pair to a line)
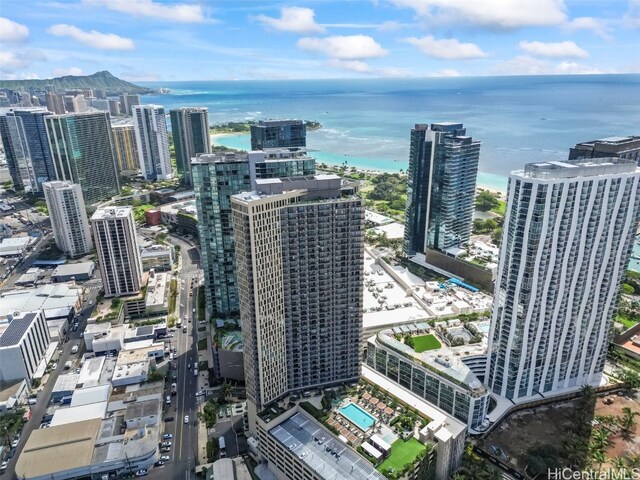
99, 80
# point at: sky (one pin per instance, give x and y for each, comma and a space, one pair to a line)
176, 40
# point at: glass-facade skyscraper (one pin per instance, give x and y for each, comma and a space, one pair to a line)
278, 134
29, 158
152, 141
82, 148
442, 174
190, 127
215, 178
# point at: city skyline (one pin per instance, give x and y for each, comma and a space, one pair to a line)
313, 39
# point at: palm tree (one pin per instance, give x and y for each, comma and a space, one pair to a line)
627, 422
619, 464
226, 390
599, 457
601, 439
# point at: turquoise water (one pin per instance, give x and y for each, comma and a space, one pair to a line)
366, 122
357, 416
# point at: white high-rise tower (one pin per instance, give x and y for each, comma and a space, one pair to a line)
568, 235
68, 217
152, 141
114, 233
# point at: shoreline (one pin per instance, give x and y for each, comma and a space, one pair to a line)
215, 137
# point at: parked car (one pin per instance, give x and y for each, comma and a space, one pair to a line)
3, 466
142, 472
159, 463
165, 450
165, 444
201, 393
165, 458
167, 436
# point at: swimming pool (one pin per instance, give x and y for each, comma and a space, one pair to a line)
358, 416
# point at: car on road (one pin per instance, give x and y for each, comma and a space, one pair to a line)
186, 419
159, 463
165, 449
201, 393
15, 443
167, 436
188, 366
165, 444
3, 466
142, 472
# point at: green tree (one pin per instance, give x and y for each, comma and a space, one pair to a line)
627, 422
485, 201
628, 289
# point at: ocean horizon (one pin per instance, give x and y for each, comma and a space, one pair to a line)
366, 122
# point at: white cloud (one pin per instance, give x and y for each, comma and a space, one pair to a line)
293, 19
102, 41
360, 66
178, 12
10, 62
594, 25
489, 13
446, 72
554, 49
61, 72
348, 47
526, 65
12, 32
351, 65
632, 17
446, 49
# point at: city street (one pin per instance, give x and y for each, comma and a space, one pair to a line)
184, 448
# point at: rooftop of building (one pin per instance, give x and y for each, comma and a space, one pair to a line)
583, 167
617, 140
16, 328
155, 249
156, 290
89, 411
70, 269
44, 297
89, 395
66, 382
121, 122
141, 352
142, 409
443, 360
277, 123
58, 448
321, 451
93, 372
106, 213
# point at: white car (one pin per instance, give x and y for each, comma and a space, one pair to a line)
200, 393
186, 419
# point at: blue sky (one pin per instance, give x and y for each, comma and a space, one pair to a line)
150, 40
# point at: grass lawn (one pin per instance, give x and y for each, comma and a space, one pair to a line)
423, 343
202, 344
402, 453
501, 209
626, 321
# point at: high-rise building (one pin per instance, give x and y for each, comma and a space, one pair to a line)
623, 147
299, 250
68, 217
152, 141
82, 148
568, 235
75, 103
125, 147
55, 103
114, 234
24, 136
443, 167
278, 134
127, 102
190, 127
215, 179
114, 107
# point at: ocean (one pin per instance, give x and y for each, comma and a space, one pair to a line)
366, 122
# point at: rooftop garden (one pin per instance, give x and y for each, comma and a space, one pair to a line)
422, 343
402, 458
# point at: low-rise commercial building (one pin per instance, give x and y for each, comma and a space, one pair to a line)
78, 272
157, 299
13, 394
51, 299
157, 257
